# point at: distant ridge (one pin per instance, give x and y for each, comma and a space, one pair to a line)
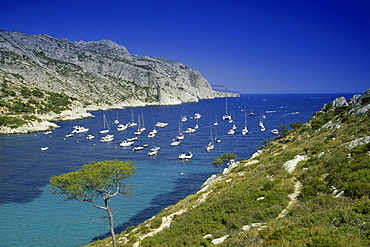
223, 89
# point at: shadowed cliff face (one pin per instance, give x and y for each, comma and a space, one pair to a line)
97, 73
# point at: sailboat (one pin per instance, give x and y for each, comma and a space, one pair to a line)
116, 121
216, 138
215, 122
245, 129
132, 123
226, 116
142, 122
210, 145
180, 136
138, 131
262, 127
106, 126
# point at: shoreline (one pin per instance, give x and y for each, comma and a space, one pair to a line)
79, 112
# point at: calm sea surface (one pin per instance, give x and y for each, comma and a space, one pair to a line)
32, 216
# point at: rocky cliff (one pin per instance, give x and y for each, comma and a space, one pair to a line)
97, 73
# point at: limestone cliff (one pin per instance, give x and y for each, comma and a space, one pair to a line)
97, 73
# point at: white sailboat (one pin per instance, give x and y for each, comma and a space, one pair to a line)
106, 126
215, 122
216, 138
226, 116
132, 123
116, 121
210, 145
180, 136
138, 131
262, 127
245, 129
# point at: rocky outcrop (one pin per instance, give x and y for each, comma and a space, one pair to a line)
97, 73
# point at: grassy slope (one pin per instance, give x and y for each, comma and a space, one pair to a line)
257, 190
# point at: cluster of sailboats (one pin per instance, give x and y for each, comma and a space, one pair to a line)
108, 137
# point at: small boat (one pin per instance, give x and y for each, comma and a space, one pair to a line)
152, 153
231, 132
275, 131
210, 146
151, 134
215, 122
121, 127
116, 121
245, 129
226, 116
106, 126
175, 143
132, 139
138, 148
126, 143
161, 125
197, 116
79, 129
155, 149
190, 130
184, 119
89, 137
48, 132
69, 135
137, 132
44, 148
187, 155
107, 138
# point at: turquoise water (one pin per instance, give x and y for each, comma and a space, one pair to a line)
32, 216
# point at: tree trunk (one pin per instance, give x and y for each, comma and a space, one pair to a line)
111, 222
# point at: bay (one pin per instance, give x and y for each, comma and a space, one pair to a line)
32, 216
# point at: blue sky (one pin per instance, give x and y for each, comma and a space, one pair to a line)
252, 46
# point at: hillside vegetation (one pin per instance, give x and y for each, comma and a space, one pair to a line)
307, 187
41, 75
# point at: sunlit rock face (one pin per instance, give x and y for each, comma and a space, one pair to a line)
98, 73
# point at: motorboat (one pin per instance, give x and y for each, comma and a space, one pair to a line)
126, 143
151, 134
231, 132
197, 116
187, 155
155, 149
48, 132
138, 148
152, 153
160, 124
275, 131
69, 135
79, 129
190, 130
175, 143
89, 137
44, 148
132, 139
107, 138
121, 127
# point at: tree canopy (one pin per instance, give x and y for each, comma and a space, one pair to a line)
103, 179
219, 161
